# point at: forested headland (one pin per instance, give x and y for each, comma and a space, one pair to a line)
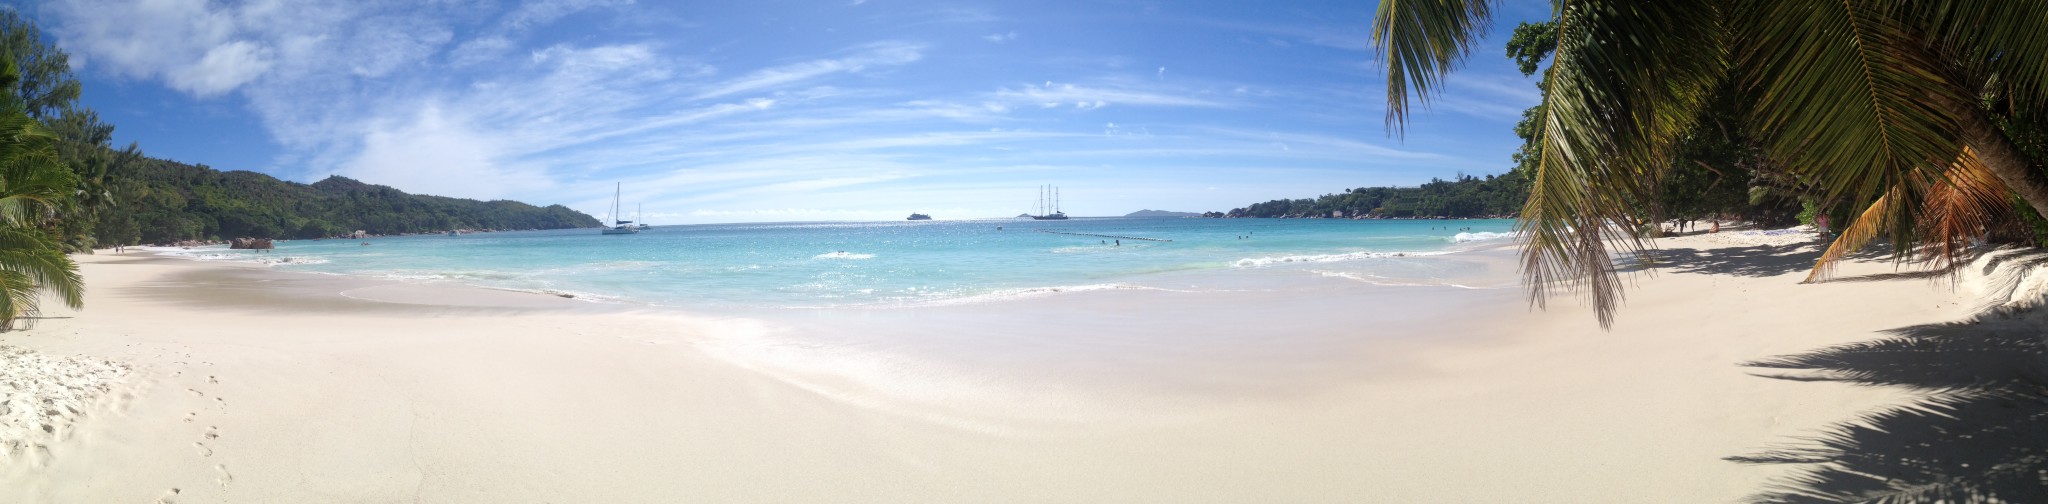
1465, 197
162, 201
101, 196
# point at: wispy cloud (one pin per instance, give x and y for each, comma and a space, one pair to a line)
1349, 35
841, 116
1052, 94
876, 54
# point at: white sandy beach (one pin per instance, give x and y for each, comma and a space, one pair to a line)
242, 384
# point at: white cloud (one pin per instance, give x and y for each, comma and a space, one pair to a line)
479, 50
433, 153
181, 41
542, 12
1091, 97
460, 99
223, 68
385, 44
884, 53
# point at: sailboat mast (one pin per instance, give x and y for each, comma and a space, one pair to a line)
1055, 199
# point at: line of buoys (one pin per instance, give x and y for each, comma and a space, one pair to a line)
1106, 236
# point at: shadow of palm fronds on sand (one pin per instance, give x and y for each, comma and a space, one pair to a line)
1978, 432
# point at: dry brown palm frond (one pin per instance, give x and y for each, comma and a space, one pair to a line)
1966, 203
1875, 218
1957, 207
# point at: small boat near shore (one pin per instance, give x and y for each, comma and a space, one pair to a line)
919, 216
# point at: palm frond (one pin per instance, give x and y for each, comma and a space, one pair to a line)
1999, 38
41, 261
1874, 219
1967, 202
1847, 92
1958, 206
1420, 41
1614, 105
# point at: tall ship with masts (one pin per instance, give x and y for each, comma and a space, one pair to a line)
1049, 204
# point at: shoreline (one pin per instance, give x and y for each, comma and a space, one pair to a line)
259, 386
1464, 244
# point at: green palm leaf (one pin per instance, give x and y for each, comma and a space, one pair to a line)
1848, 92
1422, 41
34, 184
1615, 105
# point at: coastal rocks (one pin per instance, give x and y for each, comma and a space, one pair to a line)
251, 243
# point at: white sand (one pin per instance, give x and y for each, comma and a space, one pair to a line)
41, 395
255, 386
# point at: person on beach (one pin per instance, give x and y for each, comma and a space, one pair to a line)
1119, 243
1717, 226
1821, 222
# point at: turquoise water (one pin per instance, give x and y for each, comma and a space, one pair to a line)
871, 263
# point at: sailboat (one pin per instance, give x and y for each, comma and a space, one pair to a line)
618, 226
1049, 204
636, 216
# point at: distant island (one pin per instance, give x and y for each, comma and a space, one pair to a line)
1161, 213
1463, 197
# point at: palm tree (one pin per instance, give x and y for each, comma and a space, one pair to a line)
33, 184
1864, 99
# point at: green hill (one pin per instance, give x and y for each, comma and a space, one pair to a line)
1466, 196
163, 201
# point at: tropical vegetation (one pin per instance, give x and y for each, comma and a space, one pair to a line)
64, 189
165, 201
34, 184
1923, 119
1464, 197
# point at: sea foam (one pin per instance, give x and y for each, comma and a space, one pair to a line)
1035, 292
1479, 236
843, 255
1254, 262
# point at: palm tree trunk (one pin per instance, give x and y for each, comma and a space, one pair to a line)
1998, 153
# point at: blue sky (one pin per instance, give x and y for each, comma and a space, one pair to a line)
788, 110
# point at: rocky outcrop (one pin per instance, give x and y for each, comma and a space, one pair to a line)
251, 243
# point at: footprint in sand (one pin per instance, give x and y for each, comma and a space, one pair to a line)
203, 450
212, 432
224, 478
212, 380
169, 497
190, 415
196, 392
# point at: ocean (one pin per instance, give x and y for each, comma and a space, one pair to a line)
897, 264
